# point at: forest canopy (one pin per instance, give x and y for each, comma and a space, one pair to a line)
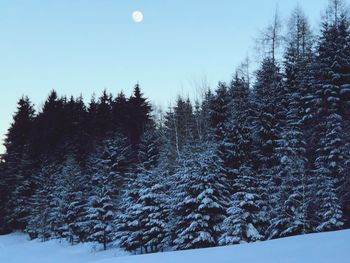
251, 160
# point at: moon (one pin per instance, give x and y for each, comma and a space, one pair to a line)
137, 16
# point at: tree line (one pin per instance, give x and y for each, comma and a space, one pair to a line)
247, 162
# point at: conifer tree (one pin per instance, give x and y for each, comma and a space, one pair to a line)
268, 97
237, 140
101, 208
141, 223
268, 123
3, 226
138, 115
48, 131
104, 114
74, 202
40, 223
18, 166
202, 115
153, 211
109, 165
331, 78
219, 112
242, 165
76, 140
329, 164
128, 234
201, 200
119, 113
294, 192
246, 215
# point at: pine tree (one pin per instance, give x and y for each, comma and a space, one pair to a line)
329, 166
128, 234
294, 192
74, 202
153, 211
299, 47
39, 223
120, 113
141, 223
246, 213
138, 115
3, 199
241, 165
330, 153
219, 112
153, 215
18, 166
345, 99
76, 140
269, 116
104, 114
201, 200
268, 122
92, 116
345, 190
237, 141
101, 208
149, 148
111, 159
108, 167
48, 134
202, 115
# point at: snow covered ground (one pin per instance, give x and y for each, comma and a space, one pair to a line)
318, 248
16, 248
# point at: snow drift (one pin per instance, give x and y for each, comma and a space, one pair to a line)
322, 247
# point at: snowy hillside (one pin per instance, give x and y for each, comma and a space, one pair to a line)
323, 247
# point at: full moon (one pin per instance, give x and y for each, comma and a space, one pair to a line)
137, 16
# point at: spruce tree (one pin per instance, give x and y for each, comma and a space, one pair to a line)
237, 140
294, 191
292, 168
74, 207
101, 210
40, 220
18, 166
153, 211
142, 221
104, 114
138, 115
331, 78
246, 214
269, 115
268, 102
119, 113
48, 129
201, 200
128, 233
329, 164
220, 112
76, 140
3, 226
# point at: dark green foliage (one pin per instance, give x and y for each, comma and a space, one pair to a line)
247, 162
201, 199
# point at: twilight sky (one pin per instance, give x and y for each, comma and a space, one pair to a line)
85, 46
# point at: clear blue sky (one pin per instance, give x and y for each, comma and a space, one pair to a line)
84, 46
